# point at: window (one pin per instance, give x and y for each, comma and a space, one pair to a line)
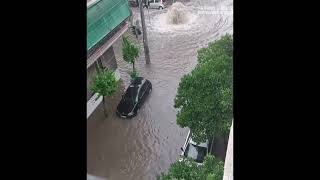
196, 153
131, 93
101, 63
156, 1
142, 90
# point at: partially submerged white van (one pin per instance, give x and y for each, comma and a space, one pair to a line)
195, 151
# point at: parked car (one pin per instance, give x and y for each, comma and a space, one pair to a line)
134, 97
195, 151
155, 4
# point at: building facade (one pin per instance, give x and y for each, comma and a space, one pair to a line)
106, 22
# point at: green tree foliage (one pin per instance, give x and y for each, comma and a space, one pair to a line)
130, 53
212, 169
204, 97
105, 84
223, 46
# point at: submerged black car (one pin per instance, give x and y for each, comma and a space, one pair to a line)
134, 97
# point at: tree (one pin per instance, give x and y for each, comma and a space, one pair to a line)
130, 53
204, 97
223, 46
105, 84
187, 169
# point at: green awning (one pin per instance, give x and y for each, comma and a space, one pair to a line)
103, 16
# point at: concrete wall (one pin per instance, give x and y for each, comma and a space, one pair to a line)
91, 71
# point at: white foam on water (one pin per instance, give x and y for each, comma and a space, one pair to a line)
178, 18
177, 14
188, 18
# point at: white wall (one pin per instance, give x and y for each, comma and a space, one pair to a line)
90, 177
228, 164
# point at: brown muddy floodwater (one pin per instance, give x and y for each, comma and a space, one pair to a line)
144, 146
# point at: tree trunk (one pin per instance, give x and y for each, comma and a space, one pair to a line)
144, 30
212, 142
133, 68
104, 107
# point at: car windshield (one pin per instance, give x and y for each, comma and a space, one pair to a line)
195, 152
131, 93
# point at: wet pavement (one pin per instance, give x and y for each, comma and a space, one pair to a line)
146, 145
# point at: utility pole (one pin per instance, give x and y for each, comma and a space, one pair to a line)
144, 31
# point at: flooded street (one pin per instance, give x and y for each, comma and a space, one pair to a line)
146, 145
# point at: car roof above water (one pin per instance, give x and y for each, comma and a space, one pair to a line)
137, 81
